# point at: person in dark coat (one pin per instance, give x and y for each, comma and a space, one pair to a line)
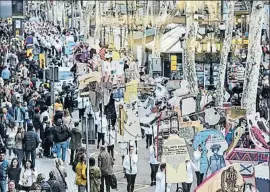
48, 138
14, 172
75, 142
55, 185
37, 123
110, 111
68, 103
30, 143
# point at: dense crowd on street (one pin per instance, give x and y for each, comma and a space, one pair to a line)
33, 125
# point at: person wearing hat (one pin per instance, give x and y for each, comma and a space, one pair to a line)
216, 161
3, 170
30, 143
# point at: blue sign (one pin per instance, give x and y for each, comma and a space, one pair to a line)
200, 139
69, 47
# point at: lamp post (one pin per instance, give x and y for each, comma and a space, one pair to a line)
210, 52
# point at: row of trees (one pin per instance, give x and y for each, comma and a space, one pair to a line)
189, 68
253, 57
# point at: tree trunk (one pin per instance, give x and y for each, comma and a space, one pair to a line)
97, 27
253, 58
189, 67
224, 53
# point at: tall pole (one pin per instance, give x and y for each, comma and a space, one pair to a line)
72, 14
121, 36
211, 65
53, 93
87, 162
104, 34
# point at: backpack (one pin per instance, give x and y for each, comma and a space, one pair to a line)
45, 187
113, 182
61, 133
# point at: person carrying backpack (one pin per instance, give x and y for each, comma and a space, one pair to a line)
61, 135
41, 184
30, 143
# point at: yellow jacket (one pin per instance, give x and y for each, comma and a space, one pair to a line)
58, 107
81, 174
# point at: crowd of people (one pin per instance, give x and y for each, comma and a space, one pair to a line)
27, 130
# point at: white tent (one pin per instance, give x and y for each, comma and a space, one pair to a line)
170, 41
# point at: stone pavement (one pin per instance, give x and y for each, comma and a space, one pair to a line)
142, 183
45, 165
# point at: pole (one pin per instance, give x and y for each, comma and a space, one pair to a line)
87, 162
158, 123
44, 69
104, 35
72, 14
211, 65
53, 93
121, 36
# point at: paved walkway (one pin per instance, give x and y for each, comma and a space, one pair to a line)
45, 165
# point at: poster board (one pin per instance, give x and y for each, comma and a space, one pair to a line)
29, 52
216, 145
128, 122
259, 132
218, 181
236, 130
42, 61
174, 154
232, 114
88, 78
131, 93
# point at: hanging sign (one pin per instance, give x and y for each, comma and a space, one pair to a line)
173, 62
42, 61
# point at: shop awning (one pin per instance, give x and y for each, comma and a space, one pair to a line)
170, 42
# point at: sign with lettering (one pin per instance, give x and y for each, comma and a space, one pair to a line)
174, 154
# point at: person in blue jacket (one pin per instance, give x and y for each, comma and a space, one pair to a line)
5, 74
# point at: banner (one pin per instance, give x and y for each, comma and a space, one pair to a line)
226, 179
42, 61
131, 93
216, 145
259, 132
29, 52
128, 122
200, 139
174, 154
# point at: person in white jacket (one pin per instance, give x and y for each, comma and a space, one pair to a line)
130, 165
102, 129
160, 178
154, 164
197, 161
110, 140
190, 167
